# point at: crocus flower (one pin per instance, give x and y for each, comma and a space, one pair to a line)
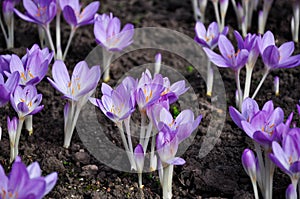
116, 104
25, 182
40, 12
73, 14
139, 158
8, 9
6, 88
44, 54
249, 109
172, 92
83, 80
33, 71
208, 38
287, 156
12, 126
249, 163
149, 90
229, 58
262, 126
26, 101
76, 89
108, 33
167, 146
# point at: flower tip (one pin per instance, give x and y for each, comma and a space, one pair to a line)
249, 162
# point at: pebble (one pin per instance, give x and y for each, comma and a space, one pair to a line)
82, 157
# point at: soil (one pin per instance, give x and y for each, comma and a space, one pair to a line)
217, 175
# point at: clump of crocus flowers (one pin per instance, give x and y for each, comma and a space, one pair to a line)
276, 143
150, 96
25, 182
247, 53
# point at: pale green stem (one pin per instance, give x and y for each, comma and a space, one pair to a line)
130, 157
238, 85
140, 176
261, 166
28, 124
210, 78
41, 32
107, 56
167, 181
48, 33
153, 160
10, 43
269, 171
59, 55
18, 135
260, 83
128, 132
254, 184
249, 71
4, 31
143, 123
68, 125
215, 3
72, 33
148, 135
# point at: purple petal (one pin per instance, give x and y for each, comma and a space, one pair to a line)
176, 161
51, 180
236, 116
88, 13
271, 56
69, 15
286, 50
216, 58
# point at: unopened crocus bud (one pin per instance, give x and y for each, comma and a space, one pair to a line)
157, 63
202, 5
12, 126
291, 192
223, 7
276, 85
139, 157
249, 163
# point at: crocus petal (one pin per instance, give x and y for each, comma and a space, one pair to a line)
215, 58
262, 138
279, 158
225, 46
268, 107
286, 50
291, 192
176, 161
69, 15
236, 116
271, 56
34, 170
51, 180
139, 157
88, 13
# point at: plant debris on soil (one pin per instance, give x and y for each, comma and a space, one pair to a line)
218, 175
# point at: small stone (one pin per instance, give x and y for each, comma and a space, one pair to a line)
82, 157
89, 170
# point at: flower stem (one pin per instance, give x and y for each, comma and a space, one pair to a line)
3, 31
254, 184
10, 43
238, 85
68, 124
73, 30
260, 83
18, 135
58, 36
153, 159
210, 78
48, 33
130, 157
140, 176
128, 132
167, 181
148, 135
261, 166
107, 56
28, 124
215, 3
249, 71
143, 121
41, 32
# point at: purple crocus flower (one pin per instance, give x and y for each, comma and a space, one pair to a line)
33, 70
26, 101
8, 87
287, 156
172, 92
167, 146
250, 43
43, 54
229, 58
116, 104
249, 163
73, 14
108, 33
25, 182
149, 90
83, 81
208, 38
262, 126
249, 109
40, 12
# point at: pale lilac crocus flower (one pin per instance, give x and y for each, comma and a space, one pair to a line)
76, 90
209, 39
25, 182
108, 34
76, 18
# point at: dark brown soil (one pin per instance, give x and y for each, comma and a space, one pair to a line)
219, 174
